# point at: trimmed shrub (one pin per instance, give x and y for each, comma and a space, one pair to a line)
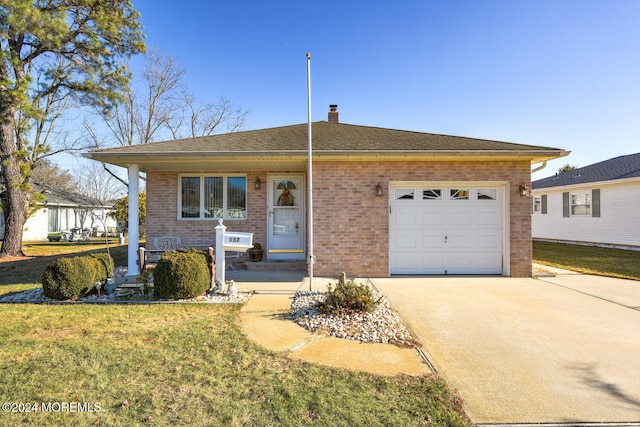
68, 278
182, 274
102, 265
348, 296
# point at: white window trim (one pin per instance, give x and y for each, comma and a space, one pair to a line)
202, 190
537, 203
587, 196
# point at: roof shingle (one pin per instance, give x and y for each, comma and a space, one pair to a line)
327, 137
617, 168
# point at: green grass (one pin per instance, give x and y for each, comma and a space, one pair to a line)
41, 254
181, 364
189, 364
589, 259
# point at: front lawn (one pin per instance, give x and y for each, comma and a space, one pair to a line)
589, 259
28, 269
179, 364
188, 364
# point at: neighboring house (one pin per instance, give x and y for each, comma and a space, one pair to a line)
65, 211
384, 201
596, 204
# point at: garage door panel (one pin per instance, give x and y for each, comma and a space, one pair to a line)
445, 235
487, 218
431, 241
405, 241
487, 241
488, 263
457, 218
432, 263
458, 240
432, 219
406, 262
406, 217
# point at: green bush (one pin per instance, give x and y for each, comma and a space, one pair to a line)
102, 266
182, 274
348, 296
68, 278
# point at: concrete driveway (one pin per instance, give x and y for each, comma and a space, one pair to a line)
563, 349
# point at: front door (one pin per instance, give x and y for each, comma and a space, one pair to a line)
285, 234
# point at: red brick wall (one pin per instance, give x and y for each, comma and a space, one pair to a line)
345, 205
162, 212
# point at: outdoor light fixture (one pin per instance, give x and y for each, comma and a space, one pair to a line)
257, 183
378, 190
524, 190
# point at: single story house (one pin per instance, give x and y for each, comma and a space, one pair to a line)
385, 201
596, 204
64, 211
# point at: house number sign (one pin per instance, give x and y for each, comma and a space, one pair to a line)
235, 241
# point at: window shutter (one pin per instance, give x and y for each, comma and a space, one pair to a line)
543, 203
565, 204
595, 203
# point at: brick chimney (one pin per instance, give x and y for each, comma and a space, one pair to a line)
333, 113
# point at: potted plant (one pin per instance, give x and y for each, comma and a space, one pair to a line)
256, 252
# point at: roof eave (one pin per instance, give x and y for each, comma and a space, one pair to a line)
124, 159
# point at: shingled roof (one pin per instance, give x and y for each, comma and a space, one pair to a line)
336, 140
59, 197
622, 167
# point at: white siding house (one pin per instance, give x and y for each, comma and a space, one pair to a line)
597, 204
64, 211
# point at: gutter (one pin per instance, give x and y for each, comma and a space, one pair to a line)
539, 168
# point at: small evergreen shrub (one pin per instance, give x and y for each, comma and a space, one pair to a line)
103, 265
348, 296
182, 274
68, 278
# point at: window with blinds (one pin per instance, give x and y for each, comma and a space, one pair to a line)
212, 197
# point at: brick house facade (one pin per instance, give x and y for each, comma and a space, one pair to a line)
351, 229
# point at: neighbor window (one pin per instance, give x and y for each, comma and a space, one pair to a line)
212, 197
581, 204
537, 204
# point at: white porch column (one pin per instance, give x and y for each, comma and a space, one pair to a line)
134, 237
220, 264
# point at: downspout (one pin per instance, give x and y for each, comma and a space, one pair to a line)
539, 168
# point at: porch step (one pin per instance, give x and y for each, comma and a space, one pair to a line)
297, 265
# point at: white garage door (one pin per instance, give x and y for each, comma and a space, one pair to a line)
446, 229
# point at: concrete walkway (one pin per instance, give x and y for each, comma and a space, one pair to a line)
265, 321
560, 349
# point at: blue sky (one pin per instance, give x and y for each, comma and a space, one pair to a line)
559, 73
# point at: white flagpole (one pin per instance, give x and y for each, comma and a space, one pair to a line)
311, 257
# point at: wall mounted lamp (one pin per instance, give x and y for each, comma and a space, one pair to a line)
257, 183
378, 190
524, 190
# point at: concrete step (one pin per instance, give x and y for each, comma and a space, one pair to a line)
280, 265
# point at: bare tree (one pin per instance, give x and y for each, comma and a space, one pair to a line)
162, 108
206, 119
47, 172
93, 181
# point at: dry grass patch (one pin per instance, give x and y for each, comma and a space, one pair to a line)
189, 364
609, 262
